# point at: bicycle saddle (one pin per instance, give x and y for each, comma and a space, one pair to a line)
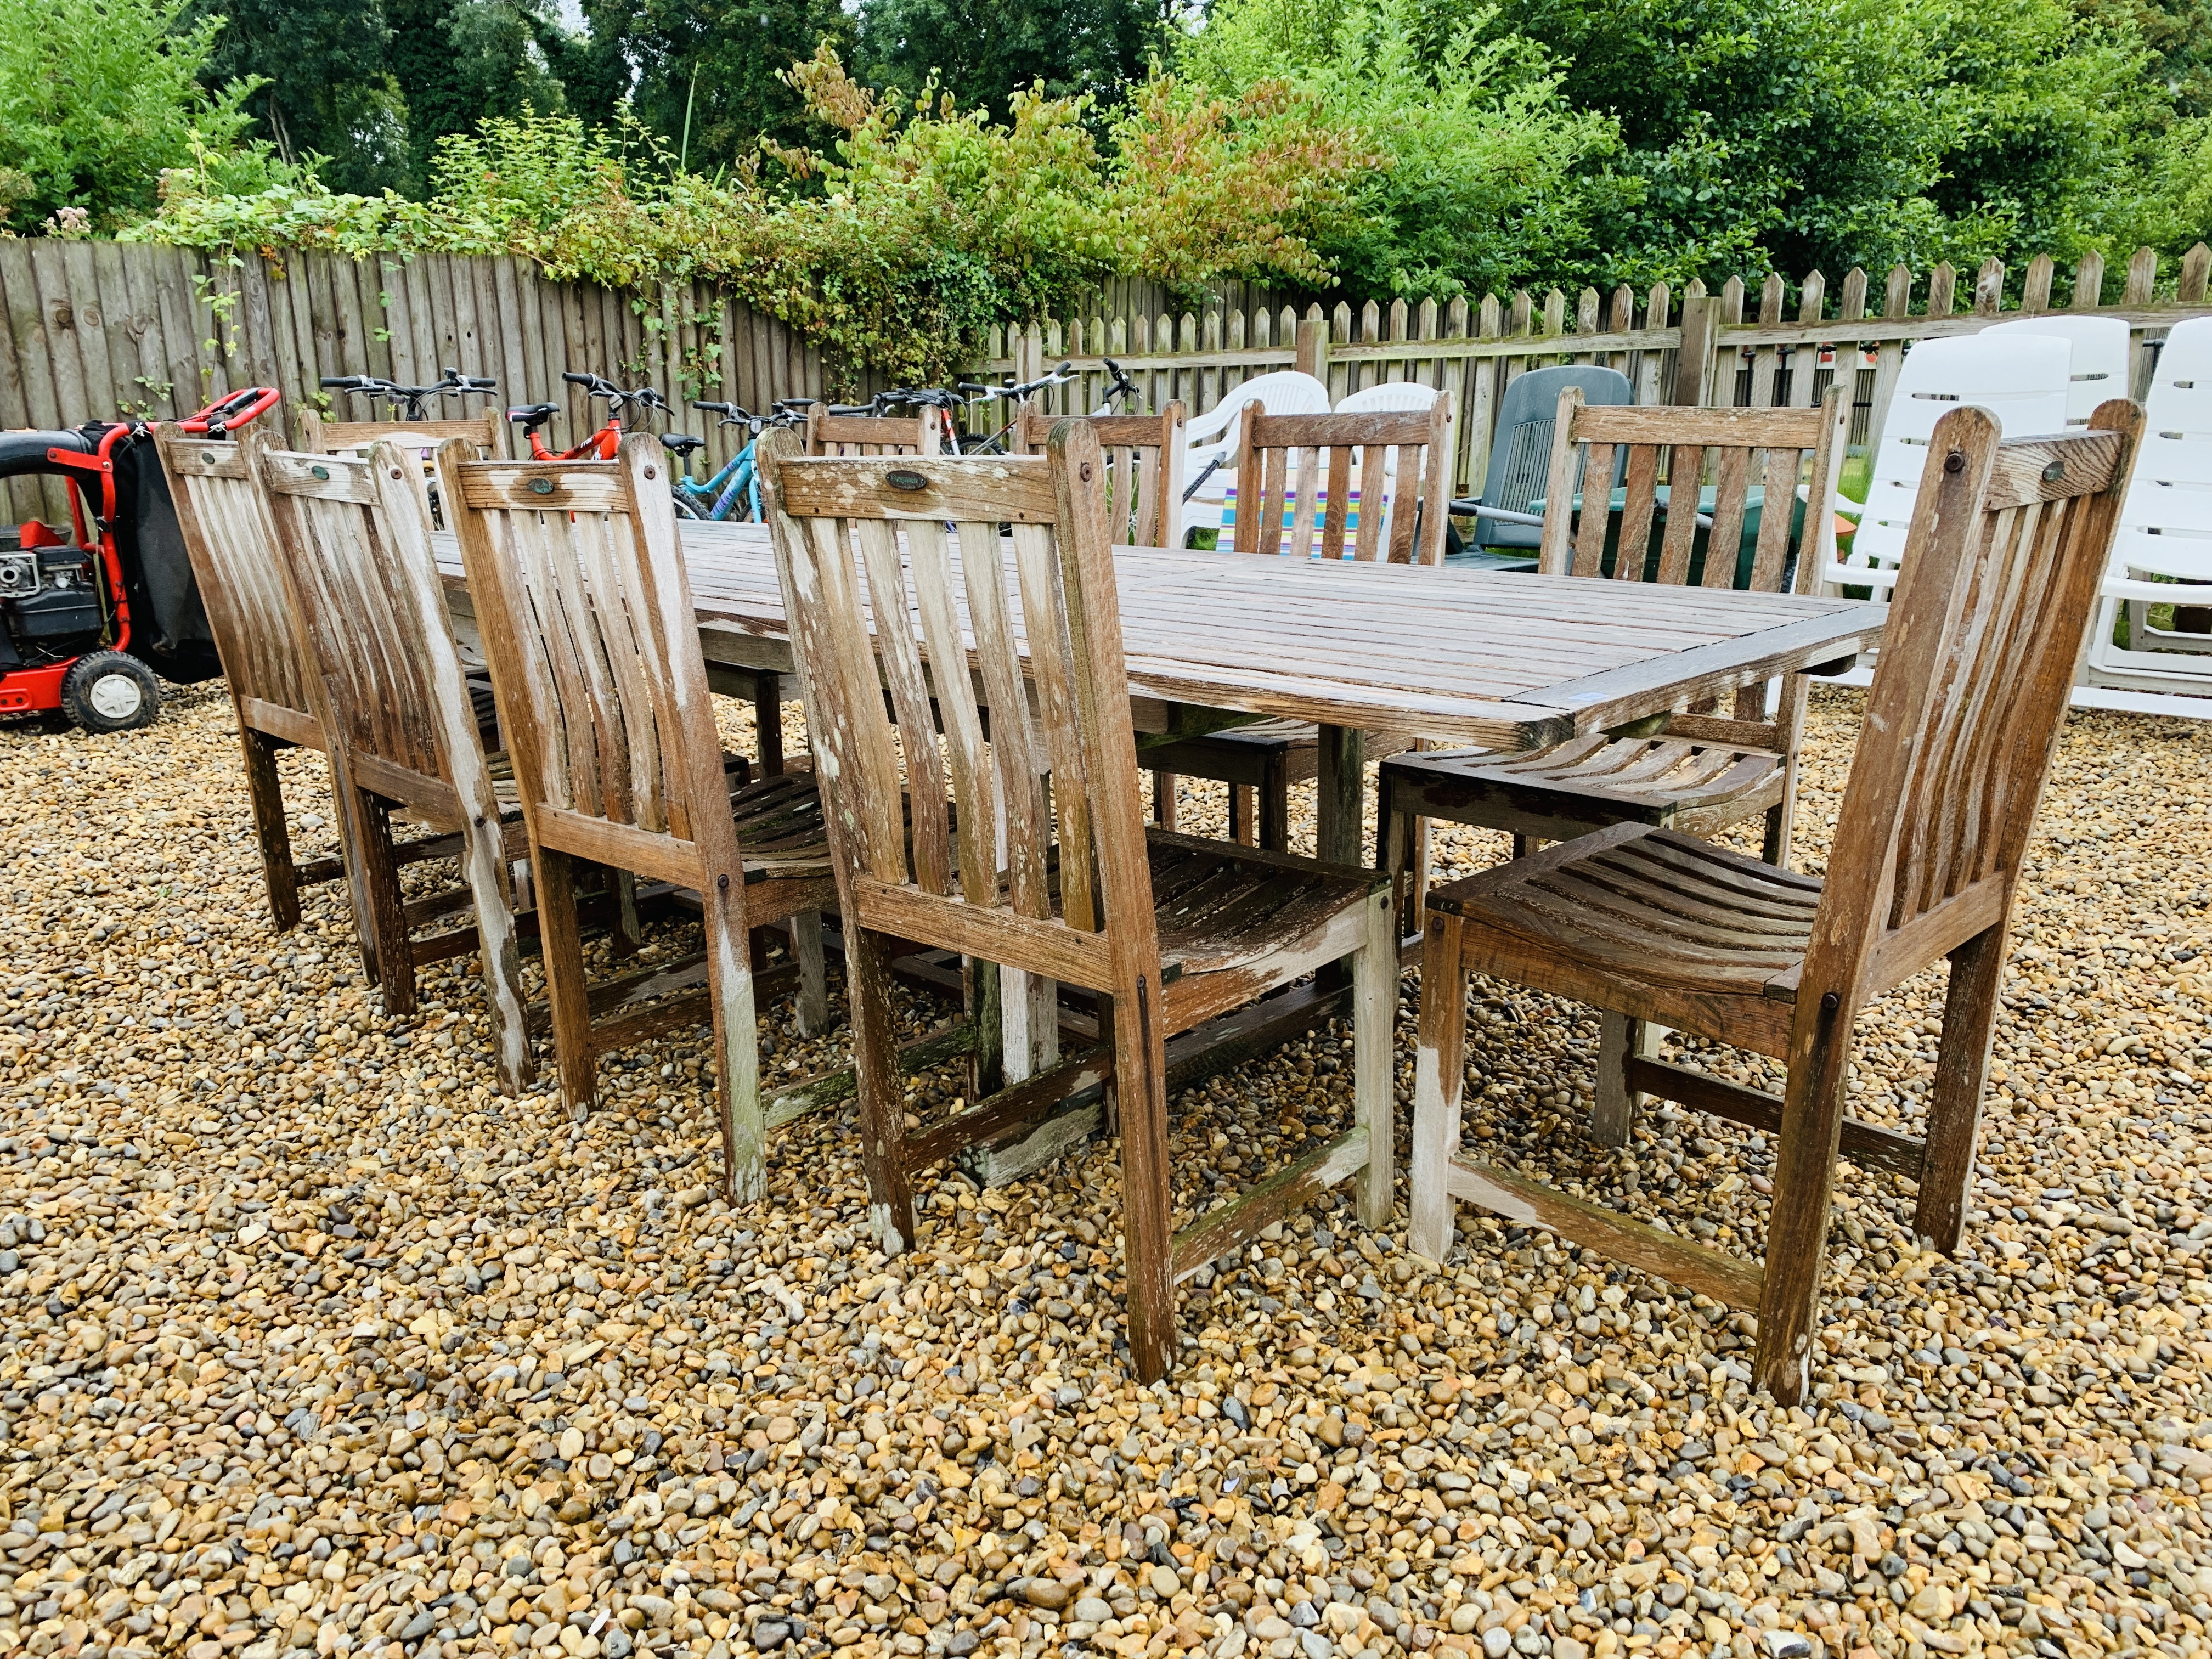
681, 444
533, 414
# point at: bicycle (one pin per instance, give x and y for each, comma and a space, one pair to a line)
601, 444
946, 404
719, 497
1020, 393
410, 403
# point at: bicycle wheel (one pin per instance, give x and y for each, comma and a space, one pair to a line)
686, 507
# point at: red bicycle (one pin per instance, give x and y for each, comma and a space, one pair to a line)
601, 444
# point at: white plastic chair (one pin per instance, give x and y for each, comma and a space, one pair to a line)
2100, 357
2021, 379
2166, 528
1211, 439
1390, 395
1386, 395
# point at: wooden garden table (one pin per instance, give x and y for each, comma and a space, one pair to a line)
1502, 660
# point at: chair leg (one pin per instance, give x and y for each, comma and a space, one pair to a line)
813, 974
767, 722
737, 1044
1613, 1115
561, 939
1398, 858
979, 995
1804, 1187
1962, 1070
346, 803
387, 920
499, 950
1439, 1074
265, 795
1374, 1059
883, 1098
1776, 849
1240, 814
1274, 792
1164, 799
629, 931
1140, 1087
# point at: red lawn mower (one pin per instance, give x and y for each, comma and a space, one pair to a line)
89, 615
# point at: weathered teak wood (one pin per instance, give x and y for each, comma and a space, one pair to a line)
1144, 504
1030, 850
1306, 468
587, 621
486, 431
871, 434
2007, 545
1706, 770
274, 693
1512, 662
354, 536
1144, 467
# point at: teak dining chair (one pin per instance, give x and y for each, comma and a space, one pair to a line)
1706, 770
354, 536
2008, 544
1298, 469
871, 434
274, 692
1169, 930
1144, 458
586, 615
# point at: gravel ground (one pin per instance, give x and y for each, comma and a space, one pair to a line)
313, 1344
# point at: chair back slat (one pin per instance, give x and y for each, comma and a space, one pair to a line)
421, 438
1039, 809
587, 619
1402, 479
232, 543
2007, 548
1790, 453
871, 434
1144, 456
347, 529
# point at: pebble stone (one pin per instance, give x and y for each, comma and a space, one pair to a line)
315, 1345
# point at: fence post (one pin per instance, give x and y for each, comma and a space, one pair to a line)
1701, 319
1313, 348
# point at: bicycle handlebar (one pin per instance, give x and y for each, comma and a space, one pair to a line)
234, 409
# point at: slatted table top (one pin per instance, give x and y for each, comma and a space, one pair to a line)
1505, 661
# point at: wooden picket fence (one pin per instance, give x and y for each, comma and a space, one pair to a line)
1744, 347
89, 330
92, 329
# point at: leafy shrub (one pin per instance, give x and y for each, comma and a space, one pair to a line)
97, 96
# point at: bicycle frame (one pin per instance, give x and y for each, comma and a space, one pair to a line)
736, 477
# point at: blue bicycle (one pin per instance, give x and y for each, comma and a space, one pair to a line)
734, 492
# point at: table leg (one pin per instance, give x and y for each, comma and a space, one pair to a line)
1337, 795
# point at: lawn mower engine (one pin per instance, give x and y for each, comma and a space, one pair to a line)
91, 610
50, 604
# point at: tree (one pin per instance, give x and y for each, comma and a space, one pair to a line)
711, 74
324, 86
456, 62
2051, 133
1479, 176
97, 97
986, 51
2179, 33
1790, 132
